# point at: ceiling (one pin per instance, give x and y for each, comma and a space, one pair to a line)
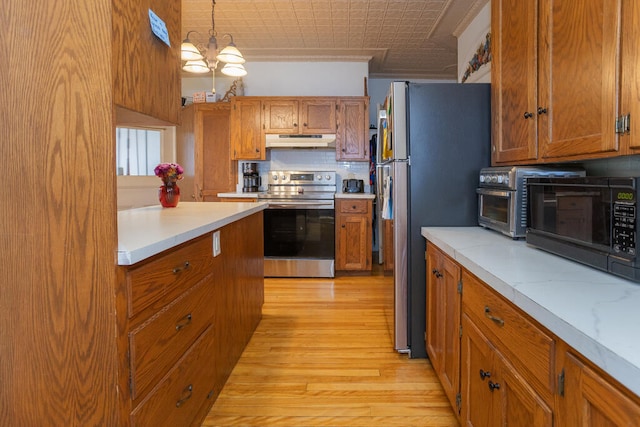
399, 38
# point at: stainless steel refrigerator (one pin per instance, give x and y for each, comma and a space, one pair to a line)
433, 140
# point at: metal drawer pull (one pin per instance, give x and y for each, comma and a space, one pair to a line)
484, 374
494, 386
184, 267
436, 273
187, 392
184, 322
497, 320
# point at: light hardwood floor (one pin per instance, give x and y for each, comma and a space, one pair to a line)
323, 356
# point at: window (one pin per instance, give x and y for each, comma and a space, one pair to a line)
138, 151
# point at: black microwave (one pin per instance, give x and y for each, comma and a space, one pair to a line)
592, 220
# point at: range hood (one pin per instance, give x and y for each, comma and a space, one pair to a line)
301, 141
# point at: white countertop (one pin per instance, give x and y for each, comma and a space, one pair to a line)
596, 313
239, 195
148, 231
355, 196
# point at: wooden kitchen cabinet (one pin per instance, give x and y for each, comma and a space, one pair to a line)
443, 320
352, 137
146, 77
587, 398
630, 90
203, 147
493, 393
247, 137
353, 234
299, 116
188, 318
555, 80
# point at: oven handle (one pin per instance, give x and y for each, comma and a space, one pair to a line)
492, 192
300, 205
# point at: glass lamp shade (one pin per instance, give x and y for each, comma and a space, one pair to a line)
198, 66
234, 70
231, 55
188, 52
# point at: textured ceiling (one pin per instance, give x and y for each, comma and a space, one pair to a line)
400, 39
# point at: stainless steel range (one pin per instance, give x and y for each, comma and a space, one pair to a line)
299, 224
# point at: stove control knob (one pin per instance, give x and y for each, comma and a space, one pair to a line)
283, 177
506, 179
500, 179
275, 177
328, 177
319, 177
482, 178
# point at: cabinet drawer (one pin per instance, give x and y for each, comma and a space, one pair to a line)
527, 346
354, 206
164, 277
158, 343
182, 392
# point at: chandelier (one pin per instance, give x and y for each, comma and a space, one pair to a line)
202, 59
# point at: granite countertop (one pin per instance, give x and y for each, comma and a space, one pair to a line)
148, 231
596, 313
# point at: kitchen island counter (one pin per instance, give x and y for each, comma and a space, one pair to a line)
594, 312
148, 231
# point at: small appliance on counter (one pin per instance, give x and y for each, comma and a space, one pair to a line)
591, 220
502, 196
353, 186
250, 178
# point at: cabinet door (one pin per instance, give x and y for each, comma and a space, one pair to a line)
578, 77
443, 320
514, 80
352, 142
280, 116
590, 401
146, 71
480, 407
351, 255
219, 173
318, 116
630, 93
247, 138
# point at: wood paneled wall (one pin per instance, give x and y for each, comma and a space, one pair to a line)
58, 228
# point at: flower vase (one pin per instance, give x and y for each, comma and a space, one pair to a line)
169, 195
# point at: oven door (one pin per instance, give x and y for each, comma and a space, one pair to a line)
299, 239
497, 211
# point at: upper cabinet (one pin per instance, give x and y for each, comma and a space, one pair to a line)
146, 71
247, 138
252, 117
299, 116
630, 92
555, 80
352, 137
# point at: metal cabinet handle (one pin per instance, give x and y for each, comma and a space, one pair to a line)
542, 110
493, 386
488, 315
184, 322
184, 267
484, 374
436, 273
527, 115
187, 393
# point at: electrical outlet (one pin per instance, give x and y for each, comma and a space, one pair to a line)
216, 243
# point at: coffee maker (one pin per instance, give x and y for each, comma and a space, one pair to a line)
250, 178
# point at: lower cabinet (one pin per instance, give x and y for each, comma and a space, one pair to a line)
510, 370
354, 234
185, 317
443, 321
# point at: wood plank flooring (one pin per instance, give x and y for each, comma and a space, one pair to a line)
323, 356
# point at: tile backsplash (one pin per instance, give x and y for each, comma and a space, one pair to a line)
309, 160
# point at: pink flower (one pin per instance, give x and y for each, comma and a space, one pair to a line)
169, 173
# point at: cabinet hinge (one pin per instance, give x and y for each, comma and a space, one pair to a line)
458, 402
460, 331
561, 383
623, 124
460, 287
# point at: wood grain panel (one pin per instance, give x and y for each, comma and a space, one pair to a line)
147, 71
58, 230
